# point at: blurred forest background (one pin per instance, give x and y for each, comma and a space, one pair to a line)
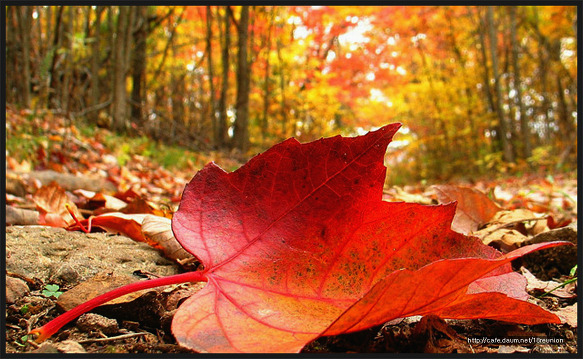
480, 90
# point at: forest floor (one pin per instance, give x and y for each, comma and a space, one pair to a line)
99, 171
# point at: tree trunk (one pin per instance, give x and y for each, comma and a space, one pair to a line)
24, 14
221, 138
65, 93
524, 130
119, 105
11, 58
241, 131
209, 53
139, 59
53, 75
567, 130
504, 141
95, 64
282, 88
266, 77
468, 98
178, 91
486, 77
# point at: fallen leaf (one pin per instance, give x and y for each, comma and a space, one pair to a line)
535, 284
512, 284
397, 194
474, 208
509, 229
440, 337
292, 239
449, 298
51, 201
568, 315
158, 230
139, 205
98, 200
117, 223
298, 243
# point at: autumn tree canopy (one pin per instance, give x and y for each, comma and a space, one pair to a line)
477, 88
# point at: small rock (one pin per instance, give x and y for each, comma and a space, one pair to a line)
70, 346
46, 348
62, 273
15, 288
101, 283
92, 322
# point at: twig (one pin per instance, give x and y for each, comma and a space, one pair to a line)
34, 318
146, 274
29, 281
123, 336
33, 344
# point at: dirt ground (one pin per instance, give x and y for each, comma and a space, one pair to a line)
141, 324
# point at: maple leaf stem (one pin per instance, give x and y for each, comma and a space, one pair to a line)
86, 230
54, 325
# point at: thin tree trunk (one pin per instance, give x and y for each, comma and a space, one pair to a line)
53, 76
486, 76
48, 28
524, 130
444, 144
221, 138
241, 130
119, 107
95, 64
211, 75
178, 90
11, 57
68, 63
169, 44
566, 128
282, 88
467, 91
507, 150
267, 75
139, 60
24, 14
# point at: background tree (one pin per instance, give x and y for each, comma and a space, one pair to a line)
241, 131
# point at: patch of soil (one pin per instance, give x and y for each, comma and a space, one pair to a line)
37, 256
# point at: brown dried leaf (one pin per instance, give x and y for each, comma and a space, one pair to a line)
473, 209
101, 200
158, 230
533, 283
568, 315
51, 201
510, 229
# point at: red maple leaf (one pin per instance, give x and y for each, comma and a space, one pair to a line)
298, 243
